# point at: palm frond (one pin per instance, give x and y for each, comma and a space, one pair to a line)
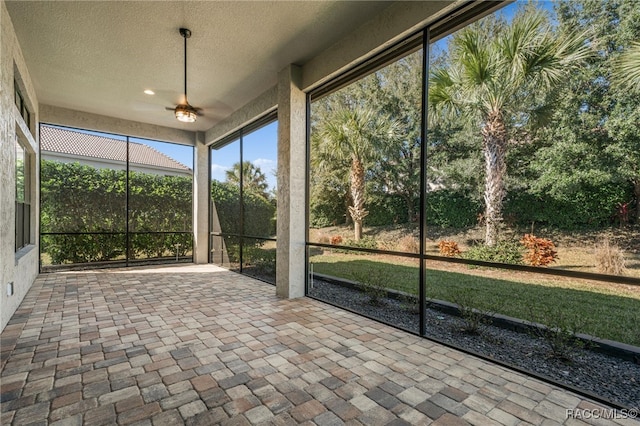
626, 71
358, 132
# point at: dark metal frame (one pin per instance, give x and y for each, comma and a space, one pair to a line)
459, 18
422, 39
128, 257
21, 104
23, 225
238, 136
126, 209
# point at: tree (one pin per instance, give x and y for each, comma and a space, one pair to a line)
253, 179
624, 124
398, 94
627, 70
503, 75
593, 148
355, 135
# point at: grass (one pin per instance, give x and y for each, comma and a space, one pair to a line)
576, 250
612, 311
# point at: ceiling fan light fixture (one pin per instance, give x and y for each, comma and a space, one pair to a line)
186, 113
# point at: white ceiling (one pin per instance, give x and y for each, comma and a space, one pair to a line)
99, 56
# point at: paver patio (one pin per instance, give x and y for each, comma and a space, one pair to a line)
200, 345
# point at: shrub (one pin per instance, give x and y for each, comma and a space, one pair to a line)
448, 208
258, 211
503, 252
410, 303
376, 292
584, 206
476, 313
365, 242
408, 244
559, 331
385, 209
160, 245
260, 262
541, 251
448, 248
323, 238
336, 239
373, 286
609, 258
83, 248
388, 245
326, 203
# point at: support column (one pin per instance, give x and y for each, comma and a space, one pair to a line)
200, 200
291, 228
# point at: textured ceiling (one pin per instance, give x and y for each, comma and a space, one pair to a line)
99, 56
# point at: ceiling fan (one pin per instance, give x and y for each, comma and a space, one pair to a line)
183, 111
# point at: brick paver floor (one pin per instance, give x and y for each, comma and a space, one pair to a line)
201, 346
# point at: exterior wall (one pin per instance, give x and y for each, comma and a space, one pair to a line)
19, 268
291, 224
201, 201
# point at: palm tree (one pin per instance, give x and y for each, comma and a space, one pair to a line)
627, 68
501, 76
253, 179
626, 74
355, 135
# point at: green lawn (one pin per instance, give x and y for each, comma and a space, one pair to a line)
611, 311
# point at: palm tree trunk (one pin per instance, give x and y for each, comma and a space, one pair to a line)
357, 211
494, 150
347, 203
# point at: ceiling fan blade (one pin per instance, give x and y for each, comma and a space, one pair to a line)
170, 108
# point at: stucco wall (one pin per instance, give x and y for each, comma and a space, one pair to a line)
19, 268
100, 123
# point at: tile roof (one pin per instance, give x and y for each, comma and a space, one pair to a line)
55, 139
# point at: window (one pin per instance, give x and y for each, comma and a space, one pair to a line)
488, 174
243, 200
21, 105
365, 166
132, 204
23, 204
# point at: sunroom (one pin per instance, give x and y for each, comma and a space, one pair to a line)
466, 172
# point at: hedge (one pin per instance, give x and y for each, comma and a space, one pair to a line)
78, 198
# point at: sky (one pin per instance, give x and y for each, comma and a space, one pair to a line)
259, 147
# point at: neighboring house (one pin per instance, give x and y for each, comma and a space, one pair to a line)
68, 146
